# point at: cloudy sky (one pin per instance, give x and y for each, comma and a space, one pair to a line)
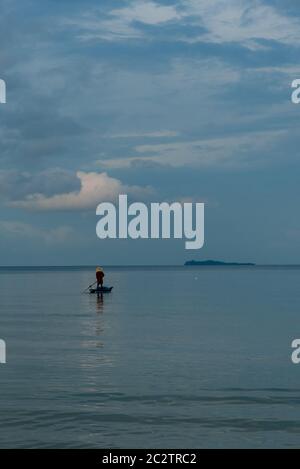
169, 100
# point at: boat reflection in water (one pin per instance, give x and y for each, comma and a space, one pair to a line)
99, 303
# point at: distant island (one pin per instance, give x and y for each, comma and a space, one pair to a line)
217, 263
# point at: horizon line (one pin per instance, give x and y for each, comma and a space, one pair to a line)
146, 265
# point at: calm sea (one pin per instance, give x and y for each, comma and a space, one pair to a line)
173, 357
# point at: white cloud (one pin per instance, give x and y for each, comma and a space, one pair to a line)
120, 23
118, 163
146, 12
233, 151
16, 229
158, 134
219, 21
243, 22
95, 188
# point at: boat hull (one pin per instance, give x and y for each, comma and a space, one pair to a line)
101, 290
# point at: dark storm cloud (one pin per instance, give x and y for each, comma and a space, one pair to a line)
15, 185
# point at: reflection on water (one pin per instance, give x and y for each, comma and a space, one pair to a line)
95, 321
100, 302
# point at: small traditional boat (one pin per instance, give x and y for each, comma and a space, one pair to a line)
101, 290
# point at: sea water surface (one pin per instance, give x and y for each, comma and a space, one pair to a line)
193, 357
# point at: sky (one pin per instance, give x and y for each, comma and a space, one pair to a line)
186, 100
